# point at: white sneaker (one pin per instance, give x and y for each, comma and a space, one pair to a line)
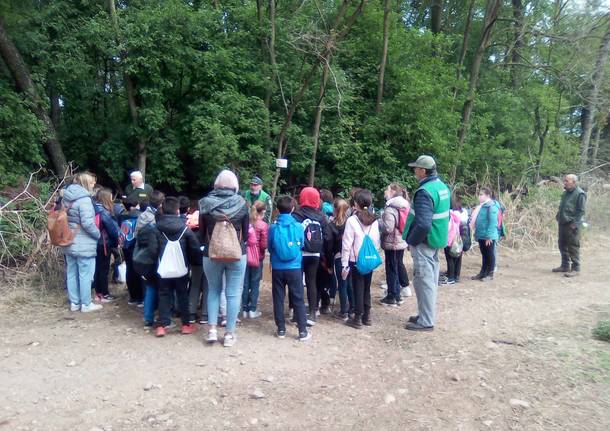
254, 314
91, 307
74, 307
229, 340
406, 291
244, 314
383, 286
212, 336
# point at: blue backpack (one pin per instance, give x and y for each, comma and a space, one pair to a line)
286, 241
127, 237
368, 256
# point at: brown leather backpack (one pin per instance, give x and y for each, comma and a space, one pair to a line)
60, 233
224, 245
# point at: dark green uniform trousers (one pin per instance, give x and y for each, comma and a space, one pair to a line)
569, 246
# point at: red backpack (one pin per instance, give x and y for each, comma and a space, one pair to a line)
403, 213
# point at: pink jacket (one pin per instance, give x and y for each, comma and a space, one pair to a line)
353, 237
454, 226
262, 236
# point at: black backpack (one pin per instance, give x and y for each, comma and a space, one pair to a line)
466, 237
146, 252
314, 240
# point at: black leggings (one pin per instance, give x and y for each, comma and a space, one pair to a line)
310, 269
489, 257
454, 265
361, 285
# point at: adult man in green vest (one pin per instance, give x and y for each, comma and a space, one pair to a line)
137, 189
427, 234
256, 193
570, 220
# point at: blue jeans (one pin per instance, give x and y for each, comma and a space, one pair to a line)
151, 301
252, 281
234, 275
346, 294
79, 276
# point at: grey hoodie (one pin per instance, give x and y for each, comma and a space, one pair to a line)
81, 217
391, 237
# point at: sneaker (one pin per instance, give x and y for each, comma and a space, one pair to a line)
383, 286
212, 336
488, 277
311, 322
406, 291
203, 320
91, 307
572, 274
324, 310
391, 302
254, 314
244, 314
160, 332
192, 321
341, 316
148, 324
366, 321
304, 336
561, 269
399, 300
229, 340
417, 327
108, 298
442, 279
413, 319
450, 281
479, 276
280, 334
140, 305
74, 307
130, 302
356, 322
188, 329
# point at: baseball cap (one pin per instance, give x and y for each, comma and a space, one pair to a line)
256, 180
425, 162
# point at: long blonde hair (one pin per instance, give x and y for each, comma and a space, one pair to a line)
86, 180
341, 206
256, 209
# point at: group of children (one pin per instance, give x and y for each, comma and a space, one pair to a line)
318, 245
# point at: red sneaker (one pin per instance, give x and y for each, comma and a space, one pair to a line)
160, 332
188, 329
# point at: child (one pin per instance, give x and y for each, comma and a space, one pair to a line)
172, 228
314, 224
128, 221
286, 238
109, 239
393, 222
359, 225
333, 254
257, 242
485, 222
458, 216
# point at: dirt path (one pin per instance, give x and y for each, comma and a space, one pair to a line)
524, 337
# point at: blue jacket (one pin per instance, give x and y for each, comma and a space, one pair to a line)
284, 220
486, 226
108, 226
424, 210
81, 218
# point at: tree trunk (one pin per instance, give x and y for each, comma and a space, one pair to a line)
130, 90
517, 43
592, 99
318, 121
24, 84
436, 10
55, 107
541, 134
387, 4
464, 49
333, 37
601, 123
491, 14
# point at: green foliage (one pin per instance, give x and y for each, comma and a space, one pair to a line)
201, 74
602, 330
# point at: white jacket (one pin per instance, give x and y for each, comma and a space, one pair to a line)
353, 236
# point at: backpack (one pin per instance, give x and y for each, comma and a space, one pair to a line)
172, 264
145, 253
465, 236
224, 246
127, 235
314, 242
368, 256
401, 222
286, 244
457, 246
253, 252
60, 233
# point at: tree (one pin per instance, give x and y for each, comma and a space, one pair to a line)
387, 10
23, 82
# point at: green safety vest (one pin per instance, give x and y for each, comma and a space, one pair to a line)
441, 201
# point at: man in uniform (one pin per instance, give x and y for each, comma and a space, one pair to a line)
570, 220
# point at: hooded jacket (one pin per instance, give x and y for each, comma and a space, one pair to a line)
217, 205
171, 226
353, 236
81, 218
109, 228
276, 264
391, 236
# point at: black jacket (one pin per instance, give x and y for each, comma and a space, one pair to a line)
334, 240
170, 227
